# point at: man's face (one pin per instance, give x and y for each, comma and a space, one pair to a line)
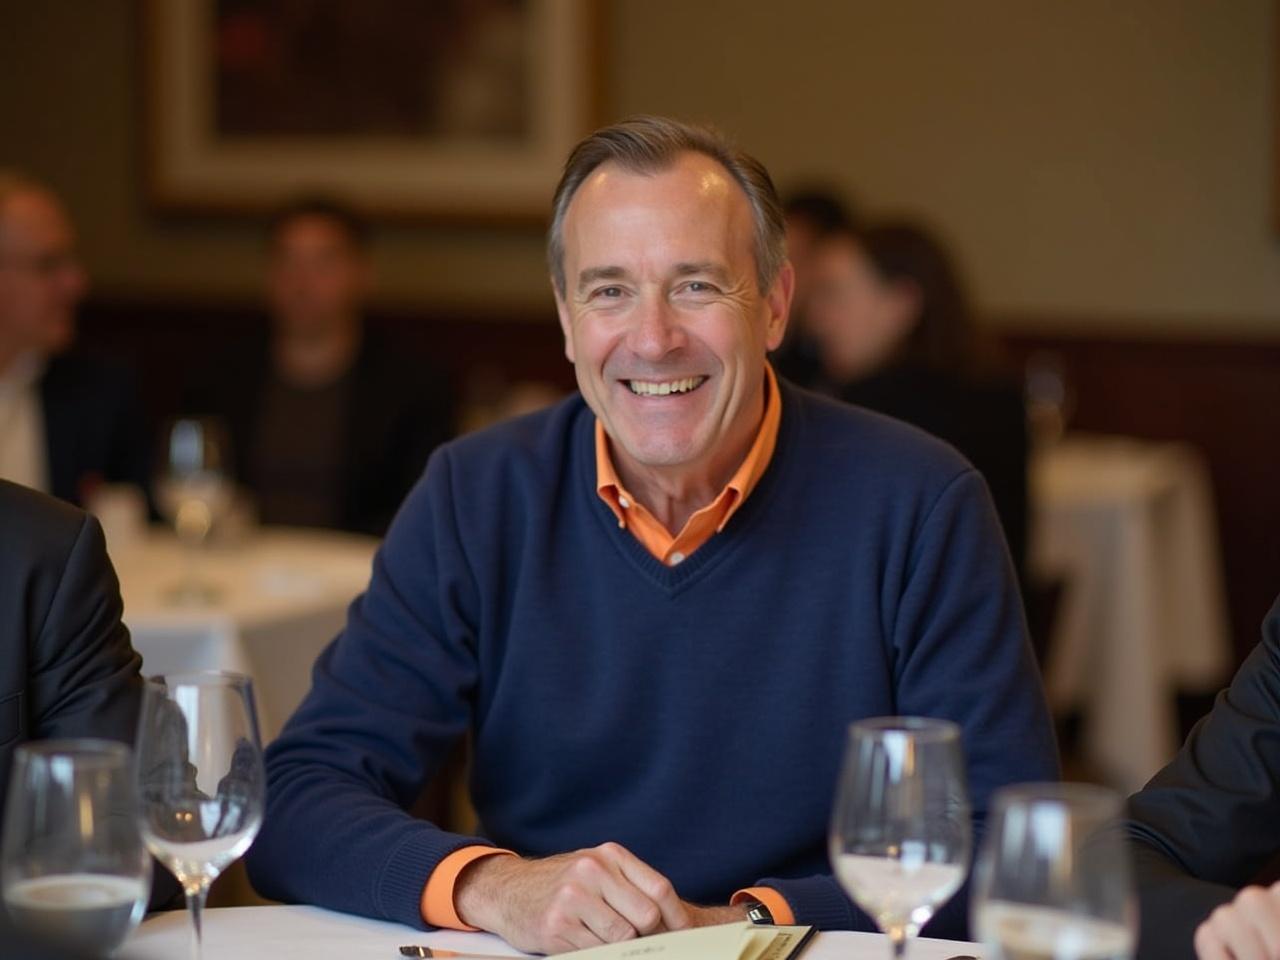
662, 314
316, 278
41, 280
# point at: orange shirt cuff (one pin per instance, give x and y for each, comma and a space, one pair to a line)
772, 899
437, 897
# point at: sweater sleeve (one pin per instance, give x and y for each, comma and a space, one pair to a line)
959, 652
389, 698
1209, 822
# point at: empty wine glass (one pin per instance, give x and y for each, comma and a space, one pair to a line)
900, 831
74, 871
200, 778
1053, 879
194, 489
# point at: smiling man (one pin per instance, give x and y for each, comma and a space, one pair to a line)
654, 608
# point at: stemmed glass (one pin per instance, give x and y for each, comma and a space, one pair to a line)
901, 830
74, 871
200, 778
1053, 879
194, 489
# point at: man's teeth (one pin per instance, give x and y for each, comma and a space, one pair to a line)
650, 388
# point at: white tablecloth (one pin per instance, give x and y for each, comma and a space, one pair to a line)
282, 596
1130, 526
309, 933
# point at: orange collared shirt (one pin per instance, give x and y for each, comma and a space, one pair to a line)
711, 519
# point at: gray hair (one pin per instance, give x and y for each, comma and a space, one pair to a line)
647, 145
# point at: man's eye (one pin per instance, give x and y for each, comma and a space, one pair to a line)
611, 293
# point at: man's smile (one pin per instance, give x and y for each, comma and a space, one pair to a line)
662, 388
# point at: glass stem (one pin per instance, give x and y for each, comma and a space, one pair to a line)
195, 906
897, 939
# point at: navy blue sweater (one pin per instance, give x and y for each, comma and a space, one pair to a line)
696, 714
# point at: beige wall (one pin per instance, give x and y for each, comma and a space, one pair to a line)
1094, 160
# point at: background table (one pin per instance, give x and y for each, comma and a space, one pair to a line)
1129, 525
282, 596
309, 933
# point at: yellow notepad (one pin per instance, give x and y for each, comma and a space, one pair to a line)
730, 941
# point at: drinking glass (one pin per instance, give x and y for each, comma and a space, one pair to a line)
74, 871
200, 778
1053, 879
901, 831
194, 490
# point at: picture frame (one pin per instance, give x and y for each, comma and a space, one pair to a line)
452, 110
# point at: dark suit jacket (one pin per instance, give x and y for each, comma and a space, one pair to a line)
400, 412
94, 428
984, 419
67, 668
1209, 822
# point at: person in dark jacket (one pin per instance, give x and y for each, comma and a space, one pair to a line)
1205, 832
330, 426
67, 667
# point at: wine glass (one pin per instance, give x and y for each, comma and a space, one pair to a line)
200, 778
74, 871
900, 831
1053, 879
194, 489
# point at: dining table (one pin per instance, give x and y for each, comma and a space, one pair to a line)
1129, 527
310, 933
276, 597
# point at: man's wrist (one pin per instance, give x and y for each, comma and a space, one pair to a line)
473, 897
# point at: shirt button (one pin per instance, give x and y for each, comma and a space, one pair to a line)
623, 502
676, 558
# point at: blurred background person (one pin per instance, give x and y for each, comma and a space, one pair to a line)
329, 426
69, 421
896, 333
811, 215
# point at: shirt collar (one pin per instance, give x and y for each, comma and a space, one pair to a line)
610, 489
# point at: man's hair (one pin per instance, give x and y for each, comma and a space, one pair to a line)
649, 145
349, 223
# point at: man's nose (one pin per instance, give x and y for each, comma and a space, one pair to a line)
657, 330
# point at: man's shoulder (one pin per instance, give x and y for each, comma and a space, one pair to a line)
39, 531
544, 437
27, 514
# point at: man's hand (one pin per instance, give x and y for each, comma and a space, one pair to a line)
570, 901
1247, 928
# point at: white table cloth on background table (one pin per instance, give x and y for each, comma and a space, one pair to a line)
283, 595
1131, 527
309, 933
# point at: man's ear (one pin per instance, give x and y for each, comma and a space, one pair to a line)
566, 325
778, 301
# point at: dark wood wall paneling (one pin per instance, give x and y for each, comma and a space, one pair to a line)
1221, 395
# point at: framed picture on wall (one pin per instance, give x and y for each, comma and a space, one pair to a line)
449, 109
